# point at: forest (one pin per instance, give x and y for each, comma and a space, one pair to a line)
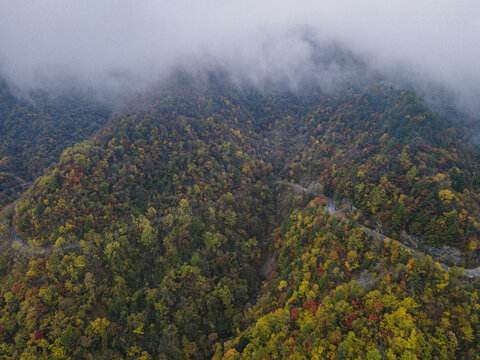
35, 129
165, 229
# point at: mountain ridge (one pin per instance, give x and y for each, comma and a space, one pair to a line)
177, 206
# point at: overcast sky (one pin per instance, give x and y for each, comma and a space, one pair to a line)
120, 43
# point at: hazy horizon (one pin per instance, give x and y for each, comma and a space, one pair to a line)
124, 45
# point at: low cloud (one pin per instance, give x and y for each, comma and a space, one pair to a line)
124, 45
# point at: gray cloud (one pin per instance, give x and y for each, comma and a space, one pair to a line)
126, 44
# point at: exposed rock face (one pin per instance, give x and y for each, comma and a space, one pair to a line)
409, 239
472, 273
366, 280
268, 268
315, 188
346, 207
445, 254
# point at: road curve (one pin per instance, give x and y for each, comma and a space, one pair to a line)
21, 245
330, 207
469, 273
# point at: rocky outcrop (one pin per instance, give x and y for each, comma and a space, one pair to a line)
445, 254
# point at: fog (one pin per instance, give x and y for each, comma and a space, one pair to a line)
126, 45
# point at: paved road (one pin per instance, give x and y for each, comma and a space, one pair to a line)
331, 208
330, 203
15, 239
470, 273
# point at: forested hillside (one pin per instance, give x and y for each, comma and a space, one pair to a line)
338, 294
170, 234
398, 163
35, 129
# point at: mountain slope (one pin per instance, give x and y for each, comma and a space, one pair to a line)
337, 294
35, 130
173, 205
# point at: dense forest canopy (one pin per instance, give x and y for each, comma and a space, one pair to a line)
35, 129
192, 224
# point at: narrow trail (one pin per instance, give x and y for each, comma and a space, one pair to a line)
331, 208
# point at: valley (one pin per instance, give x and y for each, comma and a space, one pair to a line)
181, 229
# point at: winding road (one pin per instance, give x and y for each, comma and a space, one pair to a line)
330, 207
469, 273
21, 245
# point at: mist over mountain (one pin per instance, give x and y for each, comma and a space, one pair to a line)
123, 46
239, 180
